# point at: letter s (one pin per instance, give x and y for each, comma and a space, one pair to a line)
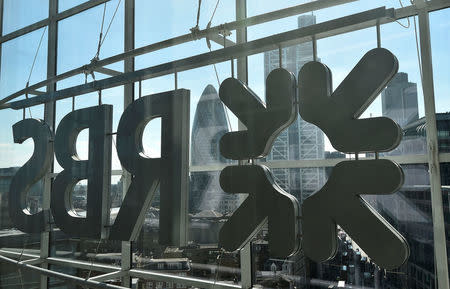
33, 170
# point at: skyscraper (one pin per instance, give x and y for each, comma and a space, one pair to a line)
399, 103
301, 140
210, 124
399, 100
410, 210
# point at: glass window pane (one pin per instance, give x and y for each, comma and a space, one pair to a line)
67, 4
20, 13
440, 43
78, 37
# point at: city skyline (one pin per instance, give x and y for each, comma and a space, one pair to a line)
340, 53
301, 140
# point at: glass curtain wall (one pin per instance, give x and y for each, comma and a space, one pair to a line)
301, 158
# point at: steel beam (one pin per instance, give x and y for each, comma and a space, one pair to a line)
55, 17
188, 281
209, 32
242, 75
109, 276
440, 244
320, 163
312, 163
289, 38
107, 71
61, 276
85, 265
37, 92
49, 118
219, 39
111, 272
399, 14
129, 40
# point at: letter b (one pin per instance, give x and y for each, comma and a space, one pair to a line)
97, 171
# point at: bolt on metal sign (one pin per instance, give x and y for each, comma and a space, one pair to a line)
337, 203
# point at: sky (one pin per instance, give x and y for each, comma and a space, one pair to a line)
160, 20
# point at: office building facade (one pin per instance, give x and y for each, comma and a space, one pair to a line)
302, 140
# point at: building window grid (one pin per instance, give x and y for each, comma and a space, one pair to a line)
275, 60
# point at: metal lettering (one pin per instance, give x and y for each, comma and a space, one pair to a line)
170, 171
97, 171
28, 175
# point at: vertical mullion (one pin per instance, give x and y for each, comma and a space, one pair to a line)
1, 29
49, 118
242, 75
440, 249
129, 31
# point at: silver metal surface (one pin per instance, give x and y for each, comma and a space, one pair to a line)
339, 202
170, 171
439, 230
336, 113
97, 171
266, 202
61, 276
29, 174
263, 121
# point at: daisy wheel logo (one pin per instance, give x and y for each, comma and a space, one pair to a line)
313, 225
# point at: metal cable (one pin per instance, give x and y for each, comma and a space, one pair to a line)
92, 259
214, 12
110, 22
32, 65
215, 70
35, 55
209, 46
101, 33
418, 50
198, 12
407, 18
20, 258
219, 260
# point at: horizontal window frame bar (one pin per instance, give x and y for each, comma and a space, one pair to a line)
45, 22
325, 29
309, 163
209, 32
400, 13
110, 271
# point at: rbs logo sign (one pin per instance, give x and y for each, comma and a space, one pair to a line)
170, 171
314, 229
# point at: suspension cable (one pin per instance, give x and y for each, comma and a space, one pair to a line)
32, 65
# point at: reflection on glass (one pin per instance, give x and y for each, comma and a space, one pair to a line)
210, 124
209, 208
301, 140
408, 210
